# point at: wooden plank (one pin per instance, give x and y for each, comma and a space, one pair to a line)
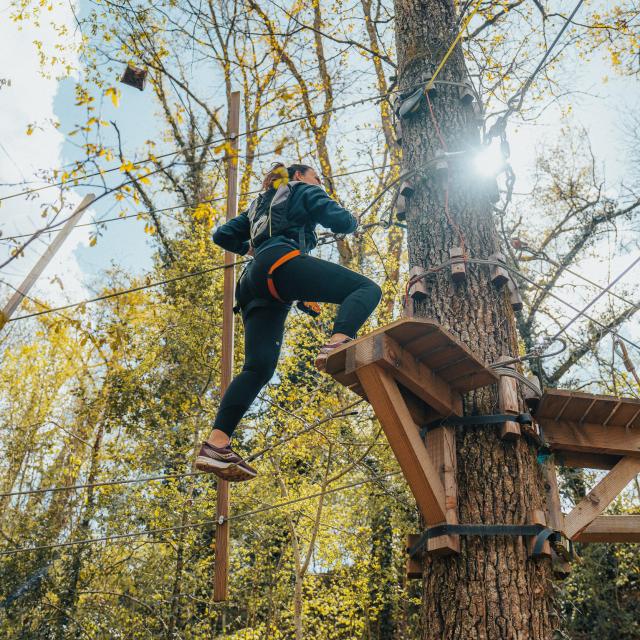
424, 344
456, 368
576, 409
591, 438
421, 413
537, 516
404, 437
444, 357
577, 460
441, 445
414, 563
509, 402
625, 528
597, 500
473, 381
555, 517
221, 567
409, 328
417, 377
578, 406
614, 409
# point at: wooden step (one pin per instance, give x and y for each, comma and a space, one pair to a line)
424, 358
580, 408
413, 371
593, 426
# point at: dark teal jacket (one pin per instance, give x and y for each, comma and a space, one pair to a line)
309, 203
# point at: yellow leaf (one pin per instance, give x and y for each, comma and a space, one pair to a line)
93, 241
29, 129
114, 94
127, 166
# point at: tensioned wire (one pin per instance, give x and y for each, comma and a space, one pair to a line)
310, 426
381, 96
238, 516
52, 228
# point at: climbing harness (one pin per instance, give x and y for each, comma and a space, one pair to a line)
310, 308
542, 534
278, 263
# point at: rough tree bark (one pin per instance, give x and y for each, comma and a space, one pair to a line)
492, 589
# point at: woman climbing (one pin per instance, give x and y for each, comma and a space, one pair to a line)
278, 229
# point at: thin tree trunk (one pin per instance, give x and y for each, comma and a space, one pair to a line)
69, 599
492, 589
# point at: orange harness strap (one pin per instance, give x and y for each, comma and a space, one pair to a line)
278, 263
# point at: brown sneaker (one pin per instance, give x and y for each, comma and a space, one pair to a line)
325, 351
224, 462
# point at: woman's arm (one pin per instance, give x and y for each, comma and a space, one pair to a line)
327, 212
234, 235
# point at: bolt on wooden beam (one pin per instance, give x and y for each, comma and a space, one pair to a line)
418, 290
508, 402
458, 268
499, 275
514, 296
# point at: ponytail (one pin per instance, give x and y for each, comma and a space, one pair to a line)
280, 172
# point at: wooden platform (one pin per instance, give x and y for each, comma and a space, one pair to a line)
587, 429
411, 371
424, 358
598, 432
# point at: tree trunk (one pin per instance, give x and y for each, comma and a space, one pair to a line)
69, 598
492, 589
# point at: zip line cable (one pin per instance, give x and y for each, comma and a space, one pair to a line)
462, 29
193, 274
577, 274
310, 426
594, 300
501, 123
238, 516
159, 283
579, 312
125, 291
52, 228
213, 142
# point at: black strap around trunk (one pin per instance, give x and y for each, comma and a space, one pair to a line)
472, 421
541, 533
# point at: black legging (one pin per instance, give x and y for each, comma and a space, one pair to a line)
303, 278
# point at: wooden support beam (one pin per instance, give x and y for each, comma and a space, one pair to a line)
536, 516
611, 529
404, 438
458, 269
221, 567
499, 275
508, 402
555, 518
441, 445
418, 290
599, 498
417, 377
565, 435
414, 563
577, 460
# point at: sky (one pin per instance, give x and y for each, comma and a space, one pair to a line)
78, 268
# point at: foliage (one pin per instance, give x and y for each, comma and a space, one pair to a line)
126, 388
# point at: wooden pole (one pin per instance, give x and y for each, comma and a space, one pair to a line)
40, 266
221, 567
